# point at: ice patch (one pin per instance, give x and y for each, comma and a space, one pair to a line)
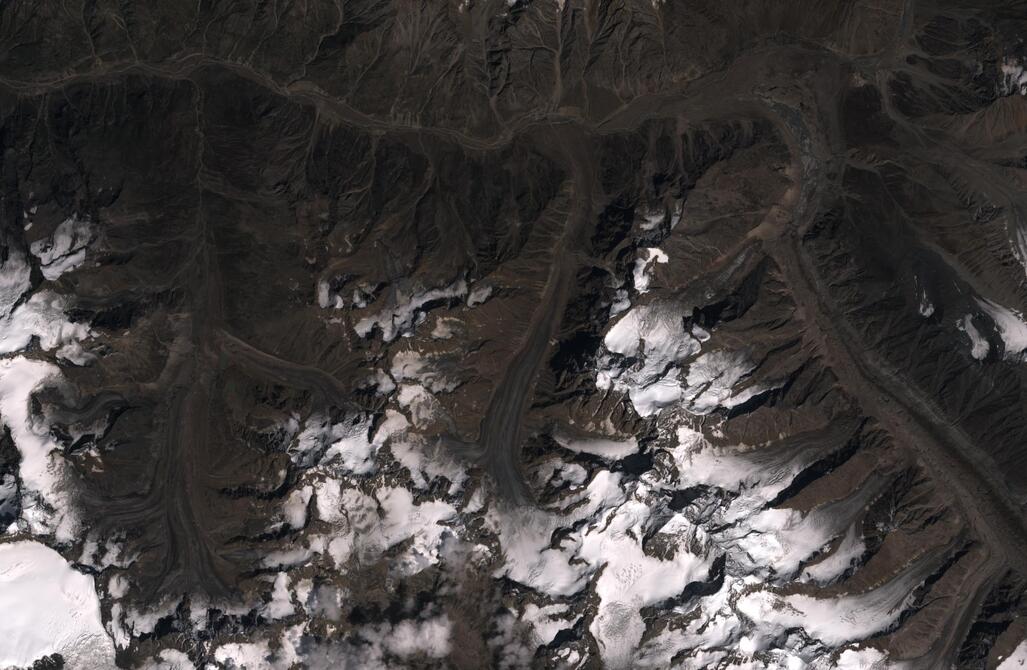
603, 541
346, 443
1020, 246
652, 220
422, 407
525, 536
445, 328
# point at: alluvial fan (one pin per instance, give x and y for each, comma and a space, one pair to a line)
513, 334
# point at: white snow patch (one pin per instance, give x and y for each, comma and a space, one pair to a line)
711, 380
66, 250
45, 506
48, 608
424, 523
1016, 660
244, 655
1014, 78
347, 443
979, 346
863, 659
525, 534
621, 302
425, 463
605, 448
430, 637
15, 279
280, 605
406, 312
845, 555
370, 526
650, 341
648, 347
416, 367
834, 621
630, 579
643, 265
445, 328
1011, 327
421, 405
171, 659
43, 316
479, 294
326, 299
354, 450
295, 507
547, 621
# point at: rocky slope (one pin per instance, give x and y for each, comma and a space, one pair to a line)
531, 334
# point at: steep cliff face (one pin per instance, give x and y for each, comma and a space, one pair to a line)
554, 334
